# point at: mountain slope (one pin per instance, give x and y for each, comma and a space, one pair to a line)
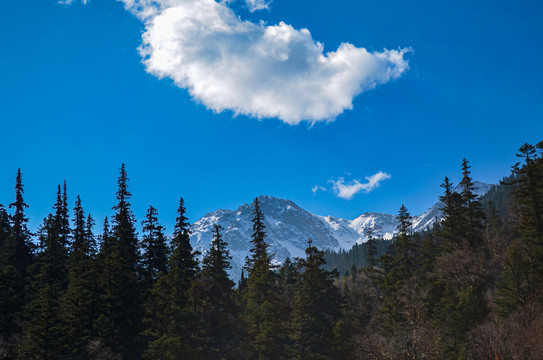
288, 227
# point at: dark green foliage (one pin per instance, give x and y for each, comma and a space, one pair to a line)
357, 256
15, 257
470, 288
316, 316
45, 332
79, 303
472, 210
215, 303
183, 259
522, 257
155, 250
370, 249
529, 193
9, 278
5, 231
17, 250
171, 320
403, 245
452, 225
119, 322
124, 231
262, 301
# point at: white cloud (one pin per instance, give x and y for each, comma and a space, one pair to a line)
317, 188
254, 5
69, 2
254, 69
348, 190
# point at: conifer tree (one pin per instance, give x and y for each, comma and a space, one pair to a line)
155, 250
124, 231
18, 247
106, 263
216, 306
5, 231
529, 178
522, 276
262, 301
80, 301
171, 320
404, 243
370, 249
473, 212
45, 335
120, 323
316, 309
62, 216
183, 259
11, 291
288, 276
453, 223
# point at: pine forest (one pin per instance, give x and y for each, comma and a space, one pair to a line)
471, 287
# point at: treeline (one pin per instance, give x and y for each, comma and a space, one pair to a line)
469, 289
68, 294
360, 255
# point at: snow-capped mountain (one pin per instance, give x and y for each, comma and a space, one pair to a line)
288, 227
427, 219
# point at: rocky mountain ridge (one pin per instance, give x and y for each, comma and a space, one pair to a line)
288, 228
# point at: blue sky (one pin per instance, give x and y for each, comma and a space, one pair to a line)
76, 101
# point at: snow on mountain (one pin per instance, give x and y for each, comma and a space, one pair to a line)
427, 219
288, 227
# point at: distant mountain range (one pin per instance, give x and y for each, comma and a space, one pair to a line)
288, 227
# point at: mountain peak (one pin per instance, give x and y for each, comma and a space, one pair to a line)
288, 227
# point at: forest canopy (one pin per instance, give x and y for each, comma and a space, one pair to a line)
469, 288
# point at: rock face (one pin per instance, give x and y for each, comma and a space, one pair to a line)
288, 228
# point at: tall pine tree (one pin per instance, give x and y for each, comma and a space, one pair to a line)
262, 301
18, 247
316, 309
473, 212
171, 319
46, 336
81, 298
155, 250
216, 306
120, 322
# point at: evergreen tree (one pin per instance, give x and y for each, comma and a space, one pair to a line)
62, 216
80, 301
216, 306
370, 248
316, 309
120, 321
5, 231
11, 292
183, 259
155, 250
529, 178
262, 301
171, 320
18, 247
404, 243
288, 276
45, 335
473, 212
522, 276
106, 263
123, 231
453, 223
